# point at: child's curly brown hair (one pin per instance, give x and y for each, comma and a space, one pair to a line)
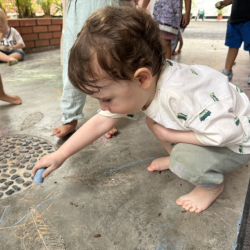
121, 40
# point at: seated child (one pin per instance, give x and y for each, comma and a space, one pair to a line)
200, 118
8, 98
11, 42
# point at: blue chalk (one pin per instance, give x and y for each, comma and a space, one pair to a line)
38, 176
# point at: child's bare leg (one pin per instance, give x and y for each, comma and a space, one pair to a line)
8, 98
17, 56
68, 128
231, 56
200, 198
168, 48
158, 130
9, 59
180, 44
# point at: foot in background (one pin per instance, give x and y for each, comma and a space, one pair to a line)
11, 99
112, 132
177, 52
65, 129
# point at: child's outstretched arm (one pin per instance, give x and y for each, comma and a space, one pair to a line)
88, 133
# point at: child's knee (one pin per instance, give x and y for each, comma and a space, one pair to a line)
188, 165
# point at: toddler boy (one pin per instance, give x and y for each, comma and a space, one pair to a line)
118, 58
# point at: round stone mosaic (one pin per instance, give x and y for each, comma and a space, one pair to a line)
18, 156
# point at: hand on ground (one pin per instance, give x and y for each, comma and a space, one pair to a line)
50, 162
112, 132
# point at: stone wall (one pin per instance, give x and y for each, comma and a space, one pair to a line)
39, 34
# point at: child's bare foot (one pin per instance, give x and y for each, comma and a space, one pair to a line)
11, 99
177, 52
113, 131
12, 61
65, 129
200, 198
159, 164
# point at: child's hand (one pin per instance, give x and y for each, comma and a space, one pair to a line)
50, 162
2, 47
185, 20
221, 4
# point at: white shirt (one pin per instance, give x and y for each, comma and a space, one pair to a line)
201, 99
13, 38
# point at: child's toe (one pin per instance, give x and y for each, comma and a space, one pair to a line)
192, 209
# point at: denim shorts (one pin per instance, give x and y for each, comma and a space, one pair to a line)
238, 33
13, 51
204, 166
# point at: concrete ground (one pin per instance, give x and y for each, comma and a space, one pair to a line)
103, 198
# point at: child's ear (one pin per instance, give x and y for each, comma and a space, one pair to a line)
144, 76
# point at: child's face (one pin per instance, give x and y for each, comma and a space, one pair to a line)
121, 97
3, 30
124, 97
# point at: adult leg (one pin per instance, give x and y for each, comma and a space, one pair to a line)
73, 100
8, 98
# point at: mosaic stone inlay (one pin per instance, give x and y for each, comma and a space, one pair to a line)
18, 156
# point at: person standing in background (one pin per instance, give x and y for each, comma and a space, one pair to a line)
168, 14
76, 13
238, 31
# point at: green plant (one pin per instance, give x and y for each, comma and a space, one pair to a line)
25, 8
220, 12
45, 5
58, 7
2, 6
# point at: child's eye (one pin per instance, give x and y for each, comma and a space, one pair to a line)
107, 100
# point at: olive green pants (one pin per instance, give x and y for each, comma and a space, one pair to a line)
204, 166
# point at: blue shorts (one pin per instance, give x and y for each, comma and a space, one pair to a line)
13, 51
238, 33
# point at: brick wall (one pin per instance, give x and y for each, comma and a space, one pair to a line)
39, 34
